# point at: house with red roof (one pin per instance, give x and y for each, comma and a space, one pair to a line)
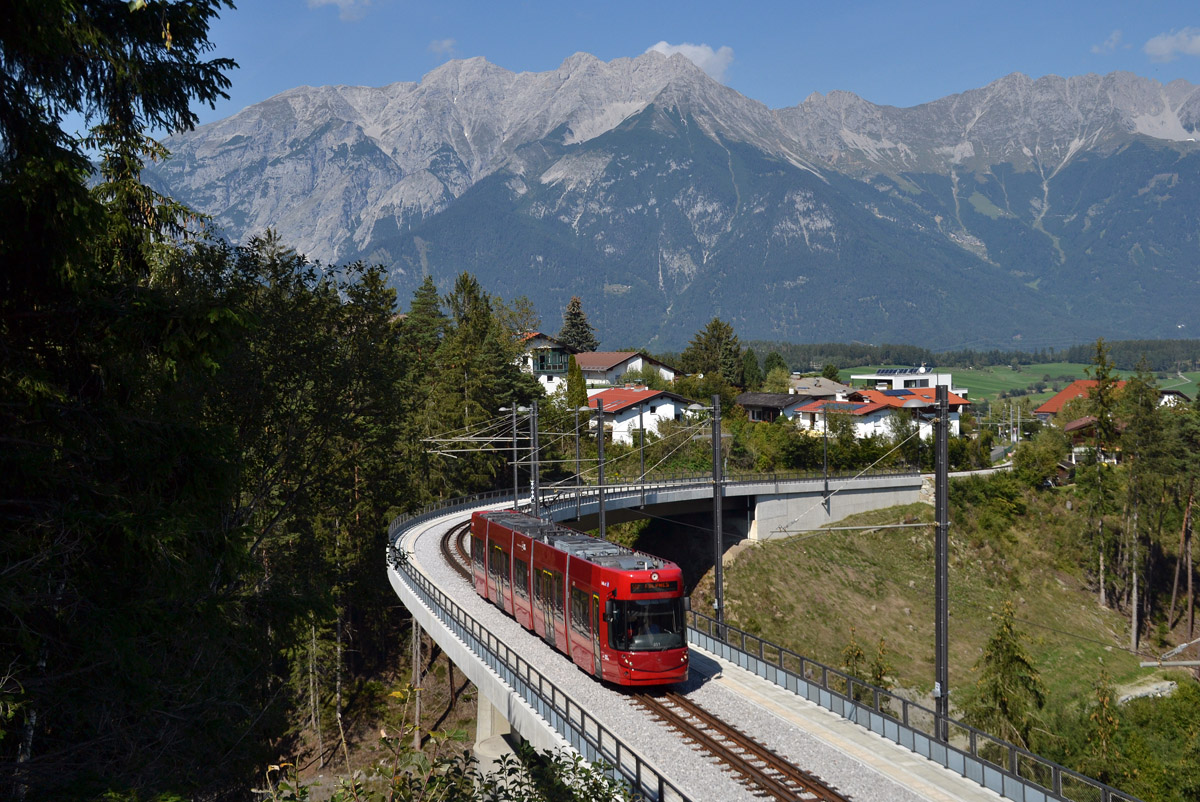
867, 417
1080, 388
607, 367
630, 408
870, 410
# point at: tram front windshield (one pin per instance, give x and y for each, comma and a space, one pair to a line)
648, 626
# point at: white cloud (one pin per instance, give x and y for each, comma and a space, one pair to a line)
713, 62
347, 9
1166, 46
444, 47
1108, 45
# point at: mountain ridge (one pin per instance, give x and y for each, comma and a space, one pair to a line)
1009, 177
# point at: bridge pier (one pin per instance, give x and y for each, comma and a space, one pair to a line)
493, 736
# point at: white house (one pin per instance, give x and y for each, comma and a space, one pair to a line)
868, 417
607, 367
546, 358
629, 408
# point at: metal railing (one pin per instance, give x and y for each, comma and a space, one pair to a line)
595, 742
1007, 769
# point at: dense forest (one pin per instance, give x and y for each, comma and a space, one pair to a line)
202, 444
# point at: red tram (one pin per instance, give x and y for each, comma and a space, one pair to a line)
617, 613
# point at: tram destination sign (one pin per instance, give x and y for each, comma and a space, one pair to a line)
661, 586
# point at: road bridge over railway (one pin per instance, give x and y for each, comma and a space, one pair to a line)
755, 507
869, 743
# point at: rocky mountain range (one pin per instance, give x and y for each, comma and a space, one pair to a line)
1025, 213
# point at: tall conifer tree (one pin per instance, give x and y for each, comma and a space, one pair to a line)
576, 332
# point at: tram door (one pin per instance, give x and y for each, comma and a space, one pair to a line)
596, 633
499, 571
546, 596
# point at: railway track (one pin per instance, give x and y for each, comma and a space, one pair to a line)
454, 552
761, 768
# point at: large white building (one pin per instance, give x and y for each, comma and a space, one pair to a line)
908, 379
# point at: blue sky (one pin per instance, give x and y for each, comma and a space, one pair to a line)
898, 53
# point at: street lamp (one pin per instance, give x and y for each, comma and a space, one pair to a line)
718, 491
516, 490
825, 455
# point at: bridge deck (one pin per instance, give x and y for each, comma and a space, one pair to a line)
854, 759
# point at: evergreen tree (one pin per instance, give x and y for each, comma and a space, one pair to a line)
775, 360
576, 386
1103, 755
576, 332
830, 372
1009, 691
715, 349
752, 374
1143, 448
1101, 403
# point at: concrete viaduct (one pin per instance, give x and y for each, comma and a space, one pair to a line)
515, 693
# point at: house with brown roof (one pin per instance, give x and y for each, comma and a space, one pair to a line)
630, 408
767, 407
816, 387
607, 367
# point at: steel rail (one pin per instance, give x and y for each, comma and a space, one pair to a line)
454, 553
761, 767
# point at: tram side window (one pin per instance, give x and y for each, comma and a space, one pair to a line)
500, 563
477, 552
521, 578
579, 610
557, 601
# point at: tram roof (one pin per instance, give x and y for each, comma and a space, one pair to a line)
577, 544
